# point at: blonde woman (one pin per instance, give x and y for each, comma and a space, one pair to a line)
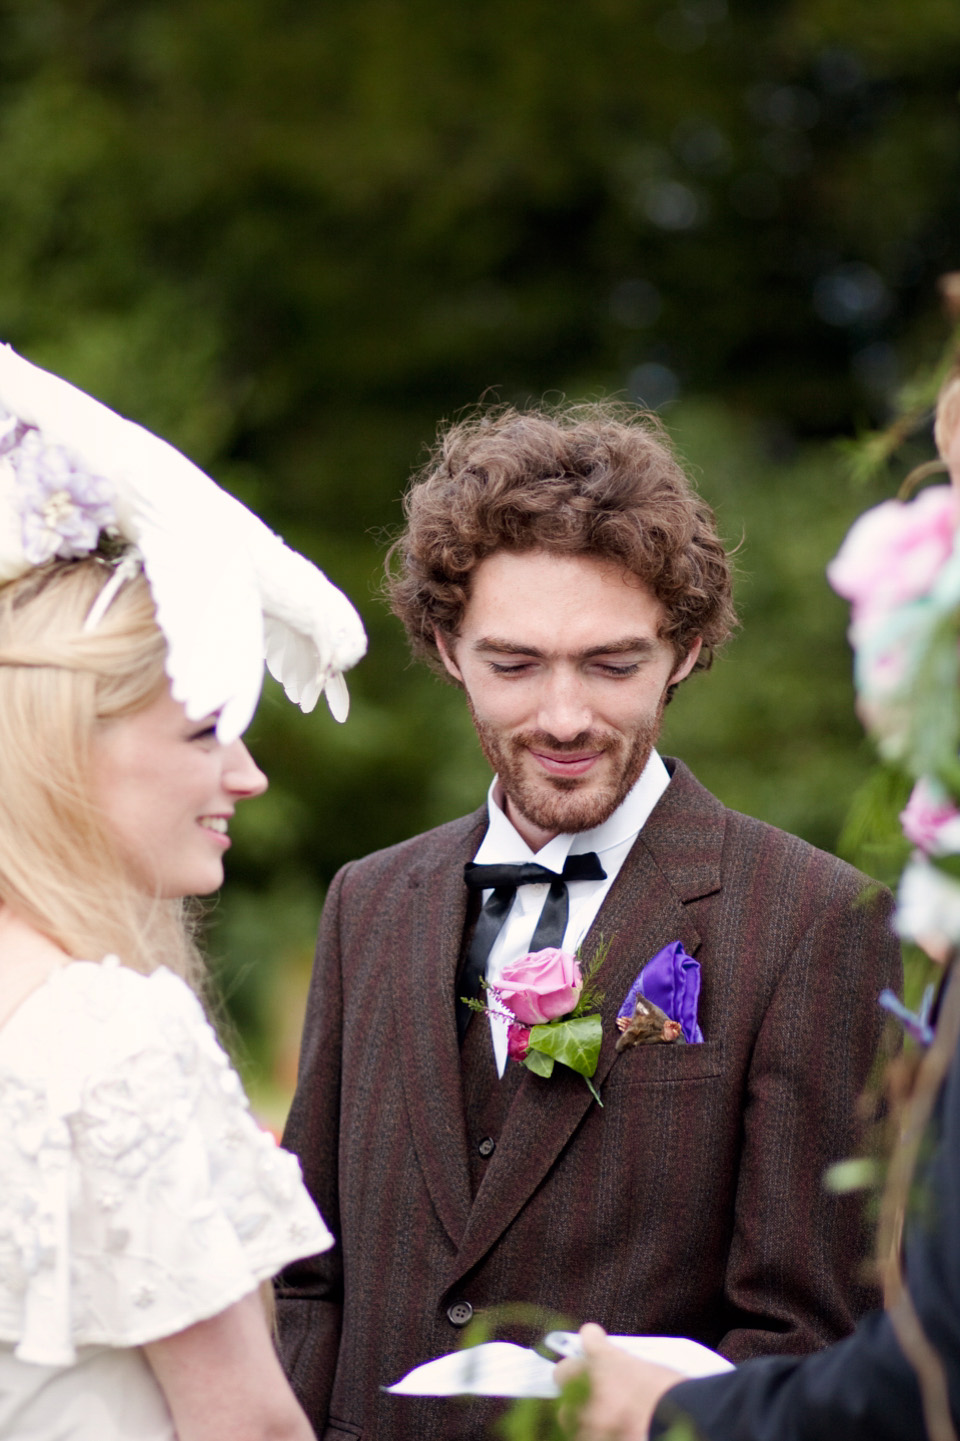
141, 1207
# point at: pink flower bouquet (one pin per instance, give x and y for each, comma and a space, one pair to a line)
894, 553
898, 567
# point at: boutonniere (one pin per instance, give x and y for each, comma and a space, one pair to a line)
550, 1000
661, 1005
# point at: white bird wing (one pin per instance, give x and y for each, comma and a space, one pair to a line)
229, 594
312, 631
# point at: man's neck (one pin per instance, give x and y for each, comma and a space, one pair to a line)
535, 837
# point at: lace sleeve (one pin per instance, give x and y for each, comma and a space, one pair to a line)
155, 1199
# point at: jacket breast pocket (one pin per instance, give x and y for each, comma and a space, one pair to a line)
663, 1065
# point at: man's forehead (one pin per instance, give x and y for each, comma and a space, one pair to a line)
534, 564
544, 601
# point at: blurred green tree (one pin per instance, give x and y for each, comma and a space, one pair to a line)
290, 237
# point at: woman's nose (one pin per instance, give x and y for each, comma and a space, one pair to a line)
242, 777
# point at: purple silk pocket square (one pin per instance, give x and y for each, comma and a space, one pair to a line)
671, 980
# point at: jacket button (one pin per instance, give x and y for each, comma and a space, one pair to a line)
487, 1146
459, 1313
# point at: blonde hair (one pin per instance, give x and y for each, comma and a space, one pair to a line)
60, 866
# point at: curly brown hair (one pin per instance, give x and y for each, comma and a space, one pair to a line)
596, 479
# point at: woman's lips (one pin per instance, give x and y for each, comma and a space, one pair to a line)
566, 765
215, 826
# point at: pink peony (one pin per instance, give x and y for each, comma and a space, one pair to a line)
540, 987
927, 814
894, 552
518, 1041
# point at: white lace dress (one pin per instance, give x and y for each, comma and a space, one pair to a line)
137, 1196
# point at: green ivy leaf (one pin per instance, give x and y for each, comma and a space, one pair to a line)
538, 1063
575, 1043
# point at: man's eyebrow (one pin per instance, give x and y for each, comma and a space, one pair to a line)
633, 644
626, 645
505, 647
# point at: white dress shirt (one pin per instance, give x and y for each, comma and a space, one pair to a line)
612, 840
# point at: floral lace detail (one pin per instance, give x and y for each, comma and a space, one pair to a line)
139, 1193
34, 1152
130, 1119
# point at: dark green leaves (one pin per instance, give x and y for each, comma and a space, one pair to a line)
576, 1043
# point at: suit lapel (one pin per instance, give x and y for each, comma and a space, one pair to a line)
676, 859
430, 1055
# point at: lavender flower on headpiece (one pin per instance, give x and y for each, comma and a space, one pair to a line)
12, 431
63, 508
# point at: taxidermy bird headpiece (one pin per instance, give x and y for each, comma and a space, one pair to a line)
76, 478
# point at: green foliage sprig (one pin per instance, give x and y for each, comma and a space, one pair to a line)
869, 454
591, 997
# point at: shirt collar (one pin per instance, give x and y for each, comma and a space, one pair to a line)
502, 843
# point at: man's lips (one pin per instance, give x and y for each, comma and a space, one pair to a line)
567, 765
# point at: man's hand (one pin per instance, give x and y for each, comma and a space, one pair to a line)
624, 1391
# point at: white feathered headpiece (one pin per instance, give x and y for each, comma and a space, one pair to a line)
229, 594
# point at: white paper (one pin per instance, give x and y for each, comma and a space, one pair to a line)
499, 1368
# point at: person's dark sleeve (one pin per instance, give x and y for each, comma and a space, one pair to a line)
863, 1388
309, 1293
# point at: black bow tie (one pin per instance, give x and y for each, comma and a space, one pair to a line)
503, 881
528, 873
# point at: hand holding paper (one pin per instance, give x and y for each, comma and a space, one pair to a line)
623, 1391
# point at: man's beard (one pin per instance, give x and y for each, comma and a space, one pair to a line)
567, 804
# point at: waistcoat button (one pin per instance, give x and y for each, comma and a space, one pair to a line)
459, 1313
487, 1146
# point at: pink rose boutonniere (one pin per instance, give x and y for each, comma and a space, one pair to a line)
549, 999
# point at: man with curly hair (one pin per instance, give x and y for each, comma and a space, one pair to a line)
560, 568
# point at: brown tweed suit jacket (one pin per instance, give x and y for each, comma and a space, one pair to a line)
690, 1203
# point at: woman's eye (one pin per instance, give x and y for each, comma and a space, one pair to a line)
208, 733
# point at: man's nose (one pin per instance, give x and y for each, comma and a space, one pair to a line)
565, 710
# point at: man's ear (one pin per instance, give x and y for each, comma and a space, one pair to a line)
687, 664
447, 657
